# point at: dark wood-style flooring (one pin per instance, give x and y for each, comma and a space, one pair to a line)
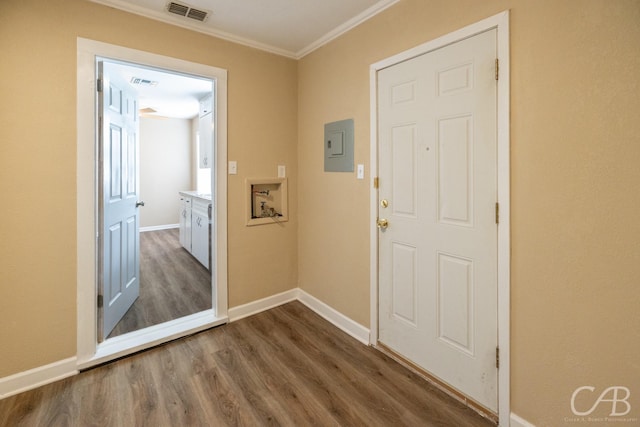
283, 367
173, 283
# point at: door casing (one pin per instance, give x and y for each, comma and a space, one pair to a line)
501, 23
89, 352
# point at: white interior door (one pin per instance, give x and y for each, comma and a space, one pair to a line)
119, 278
438, 255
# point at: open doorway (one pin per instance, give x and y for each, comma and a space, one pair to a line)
90, 219
153, 276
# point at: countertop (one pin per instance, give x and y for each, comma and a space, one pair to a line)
196, 194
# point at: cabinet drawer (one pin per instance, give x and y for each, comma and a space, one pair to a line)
201, 207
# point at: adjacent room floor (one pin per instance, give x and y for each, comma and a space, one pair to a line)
286, 366
173, 283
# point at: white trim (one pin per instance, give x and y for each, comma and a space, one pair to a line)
193, 26
264, 304
201, 28
333, 316
33, 378
504, 228
345, 27
338, 319
143, 339
219, 265
373, 205
87, 211
501, 23
159, 227
517, 421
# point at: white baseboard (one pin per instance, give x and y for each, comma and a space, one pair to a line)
159, 227
33, 378
338, 319
255, 307
516, 421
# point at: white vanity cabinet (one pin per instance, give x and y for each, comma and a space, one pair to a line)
200, 231
205, 132
194, 225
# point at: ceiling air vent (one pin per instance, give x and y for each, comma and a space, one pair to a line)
187, 11
199, 15
142, 82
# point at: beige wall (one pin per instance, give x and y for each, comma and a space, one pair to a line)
575, 149
165, 168
575, 140
38, 163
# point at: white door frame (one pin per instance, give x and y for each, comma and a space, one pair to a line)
501, 23
89, 352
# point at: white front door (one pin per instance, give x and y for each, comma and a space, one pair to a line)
118, 133
438, 255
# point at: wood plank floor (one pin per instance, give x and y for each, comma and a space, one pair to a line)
283, 367
173, 283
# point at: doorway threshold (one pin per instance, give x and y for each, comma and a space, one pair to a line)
143, 339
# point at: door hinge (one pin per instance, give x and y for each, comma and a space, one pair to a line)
99, 85
497, 213
498, 357
100, 301
376, 182
497, 68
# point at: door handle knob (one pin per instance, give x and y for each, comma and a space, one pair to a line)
139, 204
382, 223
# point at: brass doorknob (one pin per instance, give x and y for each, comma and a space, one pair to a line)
382, 223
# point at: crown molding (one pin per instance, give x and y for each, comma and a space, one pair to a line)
200, 28
346, 27
195, 26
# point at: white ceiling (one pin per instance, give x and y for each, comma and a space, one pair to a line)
292, 28
172, 95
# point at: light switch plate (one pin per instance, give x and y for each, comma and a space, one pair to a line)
233, 167
282, 172
360, 174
